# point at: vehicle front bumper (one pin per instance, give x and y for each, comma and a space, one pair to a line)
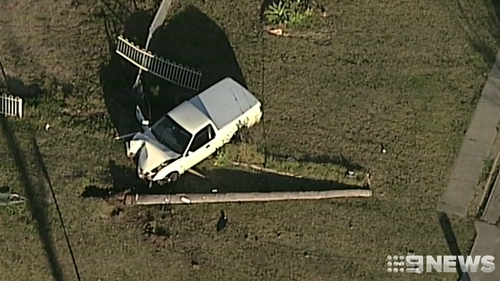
145, 175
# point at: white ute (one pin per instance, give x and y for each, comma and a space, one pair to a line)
192, 131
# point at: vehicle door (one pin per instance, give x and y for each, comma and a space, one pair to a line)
201, 147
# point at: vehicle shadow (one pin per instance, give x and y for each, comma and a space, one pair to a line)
229, 180
189, 38
36, 195
223, 180
124, 178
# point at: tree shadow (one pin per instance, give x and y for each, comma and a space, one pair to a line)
192, 39
189, 38
35, 195
451, 241
4, 189
117, 76
263, 8
4, 75
17, 87
486, 46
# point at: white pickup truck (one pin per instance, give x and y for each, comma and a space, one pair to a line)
192, 131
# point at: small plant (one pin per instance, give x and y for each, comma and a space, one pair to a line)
297, 18
161, 231
220, 158
155, 90
278, 13
293, 12
487, 167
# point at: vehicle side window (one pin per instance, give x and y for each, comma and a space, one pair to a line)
202, 137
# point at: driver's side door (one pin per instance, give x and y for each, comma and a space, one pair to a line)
200, 148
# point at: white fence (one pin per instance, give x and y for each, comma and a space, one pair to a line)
11, 106
176, 73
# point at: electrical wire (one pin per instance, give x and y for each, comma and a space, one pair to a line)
66, 236
262, 93
47, 178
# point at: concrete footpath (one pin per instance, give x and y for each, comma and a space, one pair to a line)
475, 149
468, 167
487, 243
488, 234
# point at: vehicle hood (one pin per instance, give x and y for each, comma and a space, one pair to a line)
153, 153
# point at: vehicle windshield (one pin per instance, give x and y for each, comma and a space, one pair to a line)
171, 135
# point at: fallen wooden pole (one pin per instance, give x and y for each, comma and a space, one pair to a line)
183, 198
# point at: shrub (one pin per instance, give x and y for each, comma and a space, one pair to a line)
288, 12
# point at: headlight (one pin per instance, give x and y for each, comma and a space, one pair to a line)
163, 165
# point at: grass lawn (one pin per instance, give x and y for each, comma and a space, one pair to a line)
402, 73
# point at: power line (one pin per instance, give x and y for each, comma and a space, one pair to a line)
262, 92
47, 178
66, 236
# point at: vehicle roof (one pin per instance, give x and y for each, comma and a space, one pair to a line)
224, 102
189, 117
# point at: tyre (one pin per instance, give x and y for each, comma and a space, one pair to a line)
172, 177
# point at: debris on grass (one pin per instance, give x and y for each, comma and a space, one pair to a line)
195, 264
222, 222
382, 148
311, 34
7, 199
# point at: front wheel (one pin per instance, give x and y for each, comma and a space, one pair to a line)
172, 177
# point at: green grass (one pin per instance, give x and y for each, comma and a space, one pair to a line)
401, 73
249, 154
487, 167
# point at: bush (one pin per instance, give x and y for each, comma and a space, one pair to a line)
288, 12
